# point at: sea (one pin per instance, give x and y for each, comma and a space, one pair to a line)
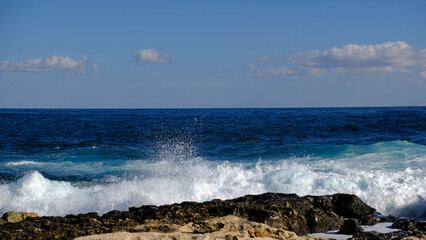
69, 161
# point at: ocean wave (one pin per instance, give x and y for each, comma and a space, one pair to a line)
399, 192
23, 163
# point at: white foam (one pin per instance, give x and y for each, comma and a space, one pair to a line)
396, 193
385, 227
163, 182
23, 163
331, 235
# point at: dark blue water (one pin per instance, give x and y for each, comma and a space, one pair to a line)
99, 160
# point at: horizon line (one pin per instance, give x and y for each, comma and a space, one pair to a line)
189, 108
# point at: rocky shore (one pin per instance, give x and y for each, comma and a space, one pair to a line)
268, 216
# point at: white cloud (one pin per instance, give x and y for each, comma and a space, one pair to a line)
353, 56
352, 59
422, 58
275, 72
263, 58
65, 65
287, 72
314, 72
250, 65
147, 56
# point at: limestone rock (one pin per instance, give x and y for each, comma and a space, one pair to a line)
228, 227
14, 217
287, 212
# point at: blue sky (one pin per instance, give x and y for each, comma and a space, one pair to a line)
178, 54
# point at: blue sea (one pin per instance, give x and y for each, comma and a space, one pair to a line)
57, 162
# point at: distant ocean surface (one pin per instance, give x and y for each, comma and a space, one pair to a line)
57, 162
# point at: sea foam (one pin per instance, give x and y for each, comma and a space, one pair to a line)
23, 163
400, 193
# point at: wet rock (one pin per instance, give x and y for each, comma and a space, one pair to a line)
388, 218
388, 236
409, 225
410, 230
351, 206
288, 212
14, 217
351, 227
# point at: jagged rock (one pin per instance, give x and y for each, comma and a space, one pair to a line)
388, 236
350, 226
229, 227
289, 212
14, 217
351, 206
410, 230
409, 225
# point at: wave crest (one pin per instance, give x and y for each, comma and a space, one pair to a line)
399, 193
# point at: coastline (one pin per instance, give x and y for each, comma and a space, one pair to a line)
268, 215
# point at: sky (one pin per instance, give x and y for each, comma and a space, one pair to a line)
212, 54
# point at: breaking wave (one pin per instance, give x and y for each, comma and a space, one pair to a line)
392, 190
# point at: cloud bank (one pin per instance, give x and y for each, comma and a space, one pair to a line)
147, 56
66, 65
352, 59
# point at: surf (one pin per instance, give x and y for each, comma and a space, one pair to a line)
398, 190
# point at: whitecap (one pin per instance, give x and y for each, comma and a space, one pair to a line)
399, 193
23, 163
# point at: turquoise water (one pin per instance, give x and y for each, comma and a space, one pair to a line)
56, 162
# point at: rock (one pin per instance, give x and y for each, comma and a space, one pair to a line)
423, 237
389, 236
228, 227
351, 206
351, 227
410, 230
409, 225
287, 212
14, 217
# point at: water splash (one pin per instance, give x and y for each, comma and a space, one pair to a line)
163, 182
